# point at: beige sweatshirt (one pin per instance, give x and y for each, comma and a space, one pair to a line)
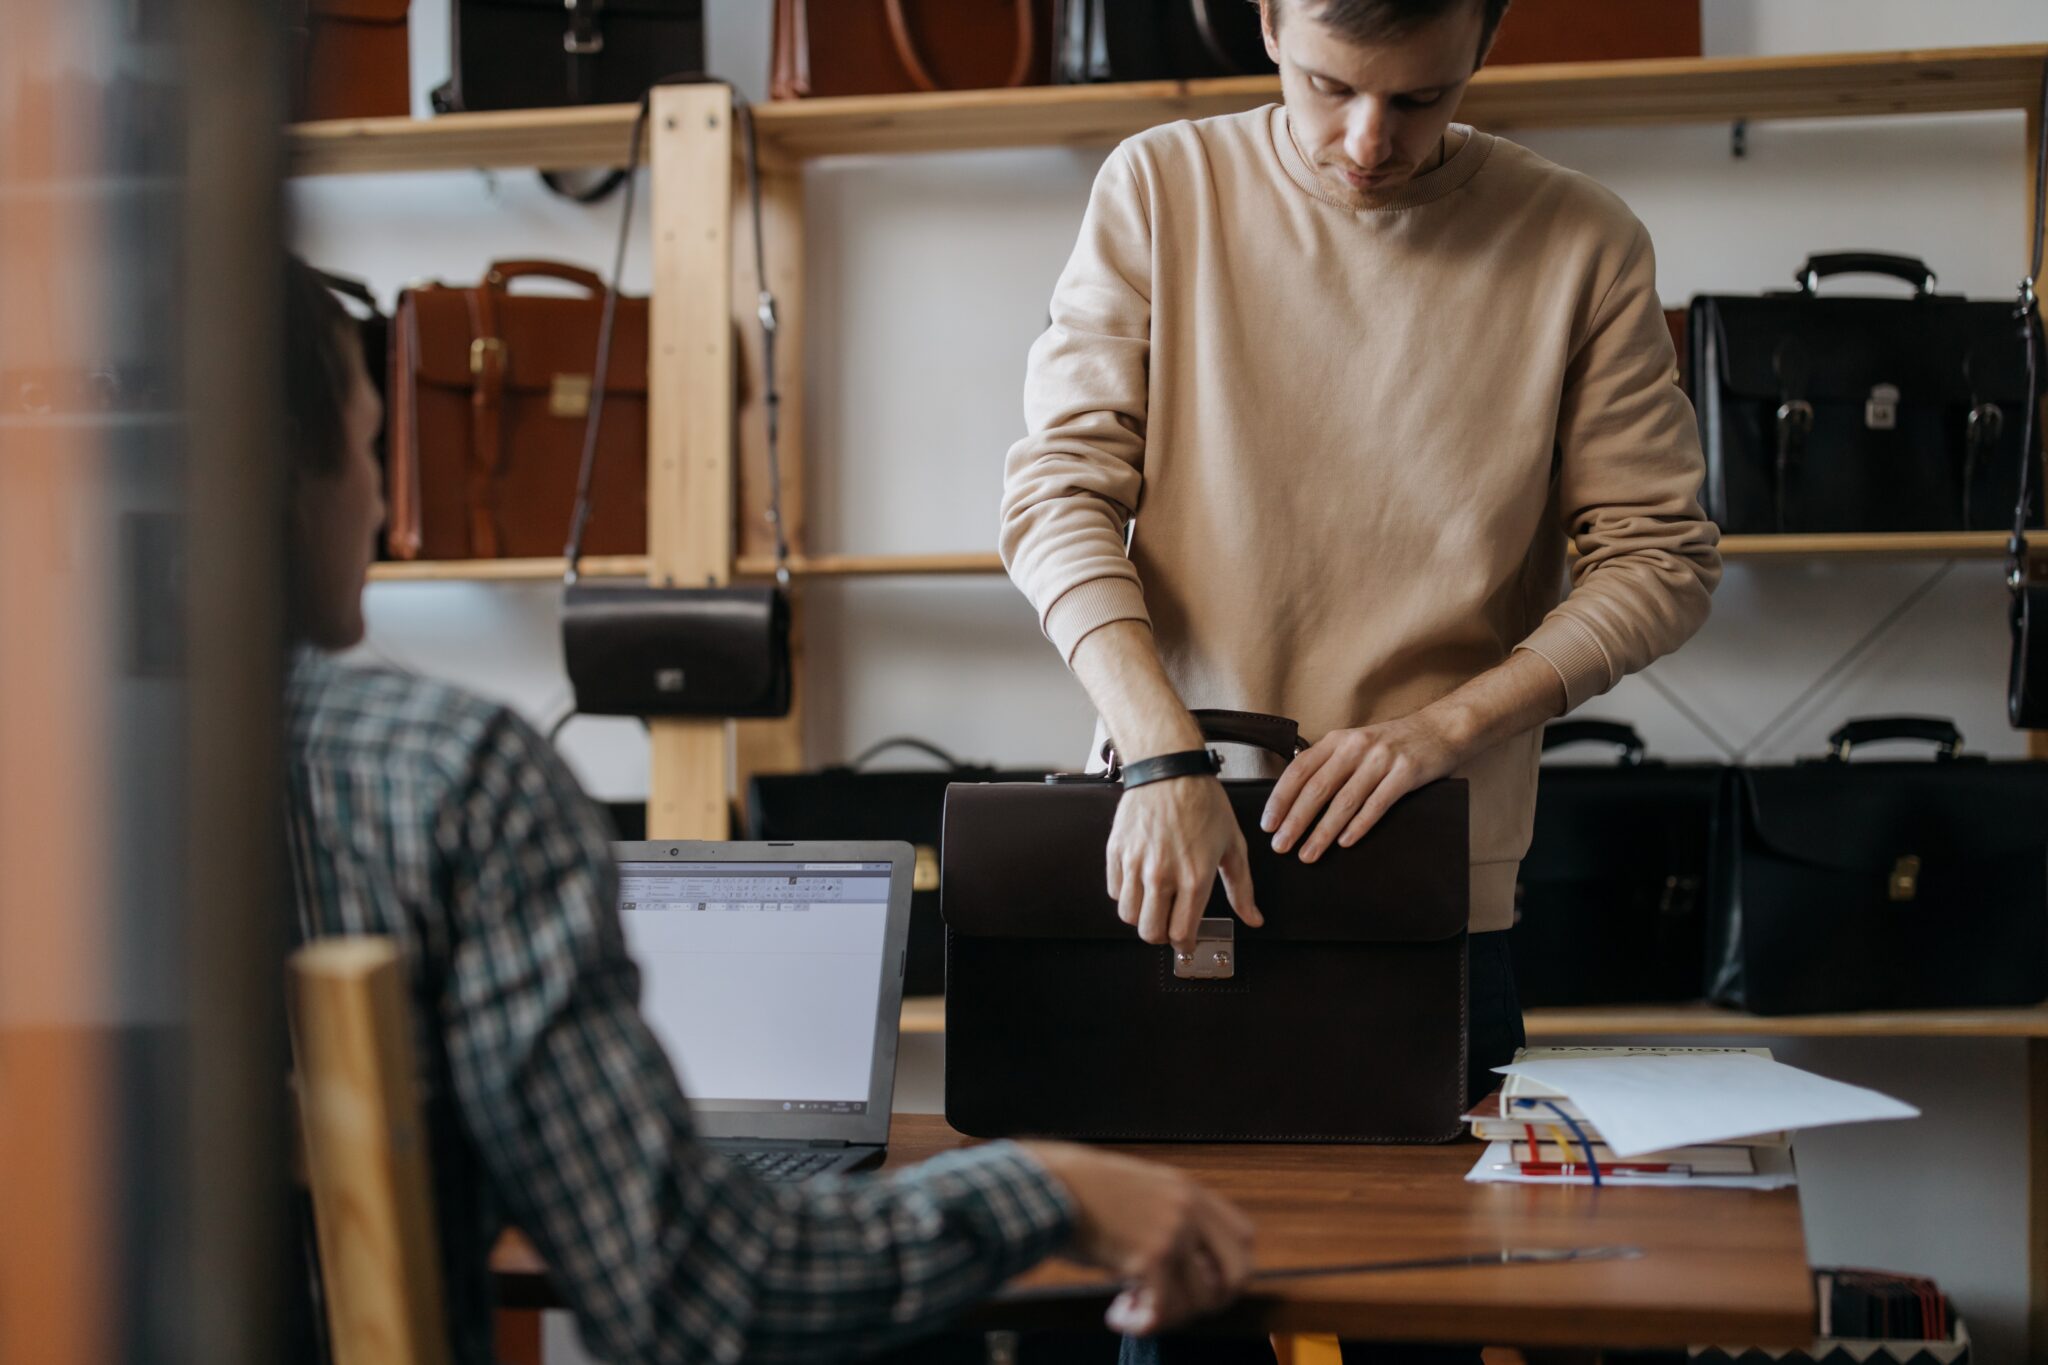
1356, 441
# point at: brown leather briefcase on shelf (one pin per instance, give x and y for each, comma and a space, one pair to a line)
1596, 31
489, 391
890, 47
1341, 1019
351, 59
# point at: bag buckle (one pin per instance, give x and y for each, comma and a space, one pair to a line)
1881, 409
1905, 880
582, 38
482, 347
1212, 958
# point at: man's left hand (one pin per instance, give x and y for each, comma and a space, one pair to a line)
1351, 777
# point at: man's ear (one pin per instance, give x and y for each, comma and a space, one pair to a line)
1266, 22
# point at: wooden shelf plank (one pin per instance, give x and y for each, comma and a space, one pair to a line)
503, 570
1872, 545
1678, 90
927, 1015
873, 566
592, 135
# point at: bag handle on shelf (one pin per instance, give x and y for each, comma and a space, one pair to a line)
1877, 729
1821, 265
923, 746
920, 71
502, 273
1563, 733
2026, 693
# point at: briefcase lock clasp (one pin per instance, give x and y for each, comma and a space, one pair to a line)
1881, 410
1905, 883
1214, 956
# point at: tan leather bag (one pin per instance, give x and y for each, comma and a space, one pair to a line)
887, 47
352, 59
1596, 31
489, 391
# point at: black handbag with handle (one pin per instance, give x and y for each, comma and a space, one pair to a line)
705, 652
1611, 906
857, 801
1821, 413
1883, 885
1156, 40
1341, 1019
535, 54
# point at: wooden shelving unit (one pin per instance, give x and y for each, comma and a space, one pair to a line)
1679, 90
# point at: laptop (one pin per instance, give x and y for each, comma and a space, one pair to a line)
773, 975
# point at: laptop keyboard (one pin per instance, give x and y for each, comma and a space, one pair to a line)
783, 1165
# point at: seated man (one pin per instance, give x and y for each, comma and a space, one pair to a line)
443, 821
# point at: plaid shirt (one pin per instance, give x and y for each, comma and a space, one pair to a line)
443, 821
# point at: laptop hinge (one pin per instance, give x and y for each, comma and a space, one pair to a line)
828, 1142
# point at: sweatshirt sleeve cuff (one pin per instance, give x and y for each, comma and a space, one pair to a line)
1581, 664
1087, 607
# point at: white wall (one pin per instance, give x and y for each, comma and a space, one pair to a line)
929, 279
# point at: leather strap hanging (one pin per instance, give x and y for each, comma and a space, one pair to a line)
2027, 687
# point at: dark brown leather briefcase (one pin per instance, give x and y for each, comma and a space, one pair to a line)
1341, 1019
1596, 31
889, 47
489, 391
350, 59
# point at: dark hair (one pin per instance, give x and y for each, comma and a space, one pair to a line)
1379, 21
318, 335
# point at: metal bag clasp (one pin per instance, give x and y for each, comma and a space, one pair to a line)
1214, 956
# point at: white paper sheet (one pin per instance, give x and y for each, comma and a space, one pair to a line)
1773, 1172
1648, 1103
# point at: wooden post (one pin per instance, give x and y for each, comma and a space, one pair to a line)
366, 1154
2037, 1199
690, 426
772, 745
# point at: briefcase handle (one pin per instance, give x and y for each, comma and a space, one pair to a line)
1818, 267
502, 273
1274, 734
923, 746
1559, 734
1877, 729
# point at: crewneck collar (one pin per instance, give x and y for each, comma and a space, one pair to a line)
1460, 166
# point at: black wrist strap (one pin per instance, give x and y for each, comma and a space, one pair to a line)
1162, 767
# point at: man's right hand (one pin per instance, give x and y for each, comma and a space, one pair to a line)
1182, 1251
1168, 844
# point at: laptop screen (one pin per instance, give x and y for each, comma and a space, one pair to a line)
762, 980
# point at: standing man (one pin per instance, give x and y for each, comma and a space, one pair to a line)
1358, 374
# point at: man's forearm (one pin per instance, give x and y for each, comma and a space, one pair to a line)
1118, 665
1515, 696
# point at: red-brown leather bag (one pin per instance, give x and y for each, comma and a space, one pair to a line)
489, 392
1596, 31
352, 60
888, 47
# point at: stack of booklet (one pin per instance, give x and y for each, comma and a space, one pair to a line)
1697, 1116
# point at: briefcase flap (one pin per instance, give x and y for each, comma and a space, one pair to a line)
1933, 348
361, 11
1596, 821
1860, 819
545, 337
1025, 860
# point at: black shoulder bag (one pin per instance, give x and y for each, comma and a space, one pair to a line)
647, 651
2026, 697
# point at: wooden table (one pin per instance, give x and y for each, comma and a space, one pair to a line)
1719, 1265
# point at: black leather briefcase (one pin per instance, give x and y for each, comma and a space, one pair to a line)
1156, 40
853, 801
1342, 1019
1883, 885
531, 54
1843, 414
1612, 900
